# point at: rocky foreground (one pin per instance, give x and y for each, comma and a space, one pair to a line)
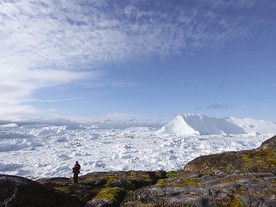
245, 178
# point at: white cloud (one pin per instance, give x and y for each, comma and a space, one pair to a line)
68, 34
48, 43
15, 84
18, 112
219, 106
18, 85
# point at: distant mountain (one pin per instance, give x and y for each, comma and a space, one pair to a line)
197, 124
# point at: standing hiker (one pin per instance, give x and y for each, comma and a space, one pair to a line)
76, 171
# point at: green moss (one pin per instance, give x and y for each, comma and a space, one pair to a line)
129, 192
125, 183
229, 179
236, 202
145, 176
115, 194
261, 160
225, 202
139, 204
58, 184
273, 192
190, 181
87, 178
111, 182
130, 203
160, 174
272, 160
232, 201
161, 182
139, 175
130, 183
170, 174
63, 189
132, 173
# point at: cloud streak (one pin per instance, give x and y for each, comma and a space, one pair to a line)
217, 106
45, 44
18, 85
70, 34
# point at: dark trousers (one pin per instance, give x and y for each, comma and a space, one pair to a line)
76, 177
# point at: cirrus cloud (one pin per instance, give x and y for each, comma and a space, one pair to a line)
219, 106
50, 43
81, 34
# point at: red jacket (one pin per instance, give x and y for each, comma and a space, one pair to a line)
76, 168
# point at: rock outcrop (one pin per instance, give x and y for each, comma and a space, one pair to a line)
18, 192
258, 160
104, 188
234, 179
269, 144
230, 179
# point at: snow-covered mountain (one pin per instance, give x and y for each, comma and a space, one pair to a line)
197, 124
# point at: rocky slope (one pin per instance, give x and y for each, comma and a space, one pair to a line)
245, 178
18, 192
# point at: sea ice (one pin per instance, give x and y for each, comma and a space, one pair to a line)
37, 151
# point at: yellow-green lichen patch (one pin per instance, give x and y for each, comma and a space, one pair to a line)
115, 194
139, 175
224, 202
232, 201
132, 173
63, 189
228, 179
189, 181
139, 204
236, 202
161, 182
171, 174
111, 182
261, 160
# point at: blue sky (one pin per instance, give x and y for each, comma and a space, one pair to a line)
148, 60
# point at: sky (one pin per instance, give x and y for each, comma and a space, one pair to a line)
90, 60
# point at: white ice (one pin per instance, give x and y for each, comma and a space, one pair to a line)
37, 151
195, 124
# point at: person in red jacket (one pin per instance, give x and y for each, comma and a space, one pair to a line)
76, 171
